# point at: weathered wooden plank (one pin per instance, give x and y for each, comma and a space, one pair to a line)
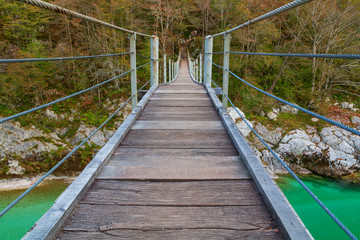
191, 162
181, 95
286, 218
211, 125
184, 234
177, 91
89, 217
139, 152
178, 117
170, 173
185, 110
197, 193
178, 139
179, 103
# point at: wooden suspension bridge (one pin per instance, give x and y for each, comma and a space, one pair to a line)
177, 167
173, 170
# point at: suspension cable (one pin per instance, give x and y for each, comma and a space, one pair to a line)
352, 130
68, 12
216, 64
275, 12
322, 205
143, 56
58, 58
67, 156
346, 56
60, 100
143, 65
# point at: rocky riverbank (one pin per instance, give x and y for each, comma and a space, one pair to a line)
328, 151
28, 150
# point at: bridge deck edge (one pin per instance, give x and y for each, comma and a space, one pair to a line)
289, 223
51, 222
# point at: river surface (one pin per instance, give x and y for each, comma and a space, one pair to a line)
342, 199
15, 223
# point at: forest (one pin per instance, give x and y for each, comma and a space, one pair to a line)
323, 26
320, 27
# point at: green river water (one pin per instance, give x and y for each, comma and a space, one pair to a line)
341, 199
15, 223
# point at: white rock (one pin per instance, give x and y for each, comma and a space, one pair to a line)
25, 142
315, 138
271, 115
234, 115
15, 168
344, 105
275, 110
298, 133
84, 131
314, 119
273, 164
51, 114
269, 137
289, 109
355, 120
341, 160
244, 128
327, 99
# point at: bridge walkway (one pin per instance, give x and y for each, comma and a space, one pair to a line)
175, 175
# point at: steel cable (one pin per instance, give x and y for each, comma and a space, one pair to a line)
65, 11
300, 108
346, 56
61, 99
322, 205
58, 58
275, 12
67, 156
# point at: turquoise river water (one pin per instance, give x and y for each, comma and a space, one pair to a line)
15, 223
341, 199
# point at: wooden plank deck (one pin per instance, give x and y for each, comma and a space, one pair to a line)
175, 175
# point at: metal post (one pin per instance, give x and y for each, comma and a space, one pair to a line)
197, 70
164, 67
133, 68
154, 60
170, 76
225, 89
200, 70
208, 58
173, 69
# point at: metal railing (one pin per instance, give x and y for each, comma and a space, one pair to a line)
196, 65
154, 79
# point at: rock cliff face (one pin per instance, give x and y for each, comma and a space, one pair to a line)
331, 151
21, 145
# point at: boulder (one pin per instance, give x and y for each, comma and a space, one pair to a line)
84, 131
271, 115
289, 109
355, 120
234, 115
15, 168
244, 128
272, 163
51, 114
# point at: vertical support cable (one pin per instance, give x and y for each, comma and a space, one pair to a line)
208, 58
225, 89
170, 77
173, 69
197, 69
165, 68
200, 65
155, 60
133, 69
